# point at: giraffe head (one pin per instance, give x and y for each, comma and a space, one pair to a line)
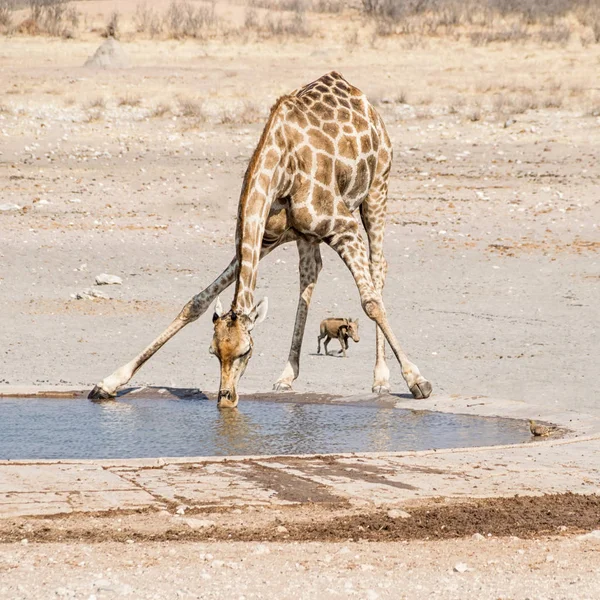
232, 345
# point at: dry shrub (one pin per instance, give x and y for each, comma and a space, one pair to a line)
474, 114
94, 115
192, 109
328, 6
553, 102
523, 104
5, 14
146, 20
128, 100
494, 20
112, 27
52, 17
294, 26
183, 19
160, 110
98, 102
559, 34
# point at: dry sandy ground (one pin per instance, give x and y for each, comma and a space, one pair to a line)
492, 237
492, 243
565, 568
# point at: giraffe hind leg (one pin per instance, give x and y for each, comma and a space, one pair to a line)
351, 248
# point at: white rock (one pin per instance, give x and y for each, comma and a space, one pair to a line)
592, 535
8, 207
478, 537
90, 293
281, 529
105, 279
460, 568
198, 523
398, 514
180, 510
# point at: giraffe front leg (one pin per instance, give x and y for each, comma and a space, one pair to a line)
310, 265
197, 306
351, 248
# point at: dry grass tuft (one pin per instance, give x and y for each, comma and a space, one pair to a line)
192, 109
129, 101
474, 114
98, 102
94, 115
160, 110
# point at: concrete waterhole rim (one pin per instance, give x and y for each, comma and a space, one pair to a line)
58, 498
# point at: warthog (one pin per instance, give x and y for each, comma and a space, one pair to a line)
342, 329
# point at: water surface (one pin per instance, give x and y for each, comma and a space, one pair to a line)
40, 428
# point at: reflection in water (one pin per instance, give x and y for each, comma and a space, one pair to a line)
138, 427
236, 433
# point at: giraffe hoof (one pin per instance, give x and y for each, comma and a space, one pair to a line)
282, 386
381, 388
421, 390
99, 394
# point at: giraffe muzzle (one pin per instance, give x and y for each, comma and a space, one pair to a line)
225, 395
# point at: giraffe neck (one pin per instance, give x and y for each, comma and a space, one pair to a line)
259, 189
250, 229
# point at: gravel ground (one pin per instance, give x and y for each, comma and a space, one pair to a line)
482, 568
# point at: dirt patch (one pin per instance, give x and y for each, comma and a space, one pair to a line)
525, 517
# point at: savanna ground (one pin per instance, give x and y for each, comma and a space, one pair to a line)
492, 237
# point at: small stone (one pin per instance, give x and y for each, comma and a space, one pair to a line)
75, 200
9, 207
562, 528
281, 529
106, 279
549, 558
89, 294
24, 541
508, 123
199, 523
478, 537
460, 568
398, 514
217, 564
180, 510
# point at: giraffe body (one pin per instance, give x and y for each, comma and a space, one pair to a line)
323, 154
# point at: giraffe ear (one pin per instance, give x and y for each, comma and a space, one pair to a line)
218, 309
259, 312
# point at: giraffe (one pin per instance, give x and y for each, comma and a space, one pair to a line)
323, 155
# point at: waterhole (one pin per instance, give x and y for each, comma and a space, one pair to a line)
136, 427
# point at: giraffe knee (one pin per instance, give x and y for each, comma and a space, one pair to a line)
373, 308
